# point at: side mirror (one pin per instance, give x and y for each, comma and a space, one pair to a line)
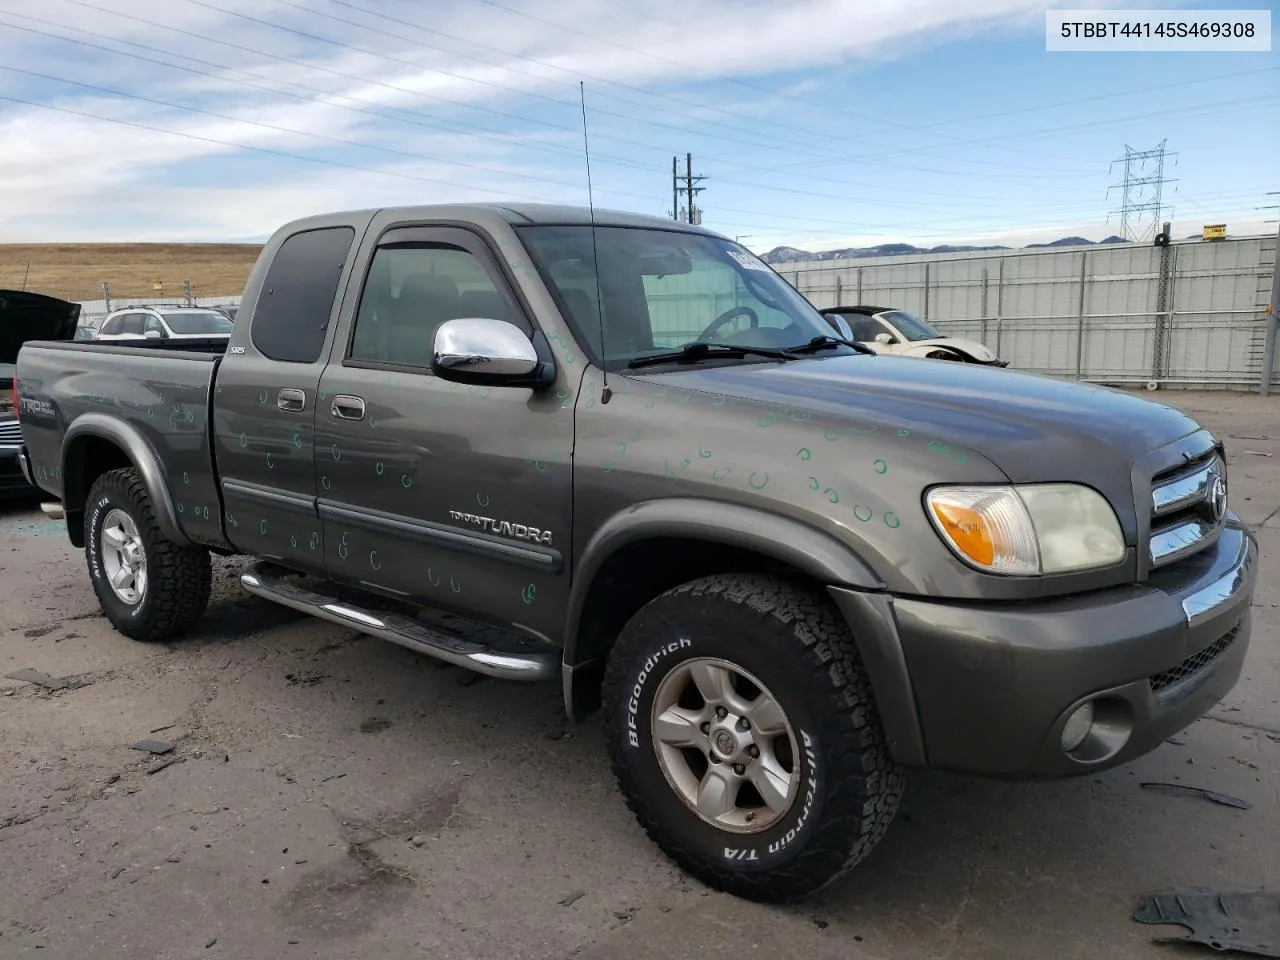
884, 338
153, 334
841, 325
489, 352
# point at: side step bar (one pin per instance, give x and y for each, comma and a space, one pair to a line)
266, 580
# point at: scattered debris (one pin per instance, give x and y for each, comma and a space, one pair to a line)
1245, 763
1176, 741
1255, 453
625, 915
153, 746
156, 768
210, 942
572, 898
167, 726
418, 840
38, 632
336, 776
1274, 736
116, 872
42, 679
1248, 922
820, 924
375, 725
1179, 789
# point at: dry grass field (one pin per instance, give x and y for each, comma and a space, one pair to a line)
76, 271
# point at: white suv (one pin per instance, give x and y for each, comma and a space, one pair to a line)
164, 323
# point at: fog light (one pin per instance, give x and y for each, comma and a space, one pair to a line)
1077, 726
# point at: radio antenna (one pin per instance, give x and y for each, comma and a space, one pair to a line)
605, 392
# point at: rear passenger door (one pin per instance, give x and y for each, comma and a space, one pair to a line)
423, 481
264, 405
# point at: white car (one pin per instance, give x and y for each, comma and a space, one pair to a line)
893, 331
164, 323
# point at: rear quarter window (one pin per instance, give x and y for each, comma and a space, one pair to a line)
293, 308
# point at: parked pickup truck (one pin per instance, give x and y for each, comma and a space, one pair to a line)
630, 457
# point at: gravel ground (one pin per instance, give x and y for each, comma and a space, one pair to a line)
334, 796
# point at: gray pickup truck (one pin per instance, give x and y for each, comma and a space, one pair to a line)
623, 453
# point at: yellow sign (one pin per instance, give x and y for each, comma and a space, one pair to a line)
1215, 231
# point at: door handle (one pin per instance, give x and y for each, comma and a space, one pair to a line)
348, 408
291, 398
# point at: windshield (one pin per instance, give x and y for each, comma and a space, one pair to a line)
207, 322
661, 289
909, 325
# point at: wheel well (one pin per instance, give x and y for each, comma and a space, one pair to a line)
87, 458
639, 572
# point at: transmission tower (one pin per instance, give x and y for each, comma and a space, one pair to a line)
1142, 196
691, 213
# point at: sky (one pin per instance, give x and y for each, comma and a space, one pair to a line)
816, 123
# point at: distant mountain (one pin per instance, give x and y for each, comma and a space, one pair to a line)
792, 255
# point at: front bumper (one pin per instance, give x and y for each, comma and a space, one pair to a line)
15, 473
992, 686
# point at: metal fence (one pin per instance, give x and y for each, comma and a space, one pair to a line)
1191, 314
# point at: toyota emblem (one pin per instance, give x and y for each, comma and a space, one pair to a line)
1218, 498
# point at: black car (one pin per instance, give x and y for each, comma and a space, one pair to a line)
24, 316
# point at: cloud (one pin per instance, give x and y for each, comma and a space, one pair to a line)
396, 114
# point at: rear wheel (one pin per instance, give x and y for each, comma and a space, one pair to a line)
149, 587
744, 735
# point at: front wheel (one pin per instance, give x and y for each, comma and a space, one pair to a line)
149, 587
744, 735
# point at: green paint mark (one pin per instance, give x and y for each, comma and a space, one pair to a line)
962, 458
937, 446
881, 466
904, 433
454, 585
232, 521
244, 440
768, 420
297, 441
374, 561
718, 400
667, 472
324, 482
758, 480
831, 436
270, 465
831, 495
815, 483
685, 463
373, 422
180, 508
314, 540
406, 481
293, 541
564, 396
262, 399
684, 398
334, 451
863, 514
721, 474
150, 413
343, 549
891, 520
186, 477
262, 525
482, 499
432, 578
802, 416
378, 468
529, 593
704, 453
804, 453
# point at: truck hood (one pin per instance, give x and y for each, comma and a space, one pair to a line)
32, 316
1034, 428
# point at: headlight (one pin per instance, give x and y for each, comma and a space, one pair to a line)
1029, 529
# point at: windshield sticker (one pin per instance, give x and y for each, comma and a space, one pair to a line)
744, 259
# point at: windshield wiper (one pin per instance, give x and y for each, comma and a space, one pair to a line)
702, 350
826, 342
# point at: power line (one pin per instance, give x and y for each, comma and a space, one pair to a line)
1134, 214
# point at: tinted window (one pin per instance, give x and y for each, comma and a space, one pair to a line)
132, 323
151, 322
112, 325
864, 327
197, 322
297, 295
410, 291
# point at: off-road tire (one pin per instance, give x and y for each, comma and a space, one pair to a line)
179, 578
791, 637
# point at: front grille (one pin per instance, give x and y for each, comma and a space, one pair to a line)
10, 433
1187, 507
1194, 663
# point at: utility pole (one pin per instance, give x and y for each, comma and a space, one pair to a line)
1140, 217
692, 214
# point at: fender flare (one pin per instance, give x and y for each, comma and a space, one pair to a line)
818, 554
140, 453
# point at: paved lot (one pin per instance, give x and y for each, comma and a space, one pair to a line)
338, 797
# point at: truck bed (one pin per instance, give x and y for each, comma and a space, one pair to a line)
87, 396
